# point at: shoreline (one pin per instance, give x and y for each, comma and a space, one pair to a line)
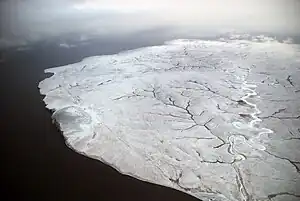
37, 163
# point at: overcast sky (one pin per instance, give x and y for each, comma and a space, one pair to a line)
25, 21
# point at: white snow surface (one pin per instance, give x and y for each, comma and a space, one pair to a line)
192, 115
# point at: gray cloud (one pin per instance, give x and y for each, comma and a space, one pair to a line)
28, 21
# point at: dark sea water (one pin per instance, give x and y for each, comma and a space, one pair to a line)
35, 162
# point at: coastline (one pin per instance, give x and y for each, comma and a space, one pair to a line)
37, 163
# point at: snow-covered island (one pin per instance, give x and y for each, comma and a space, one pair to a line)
219, 120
